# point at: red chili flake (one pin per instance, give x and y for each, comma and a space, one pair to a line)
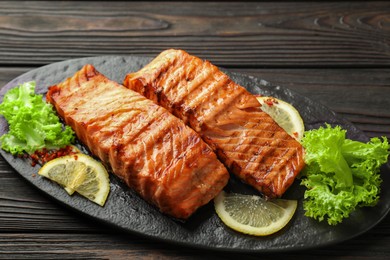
270, 101
295, 134
44, 155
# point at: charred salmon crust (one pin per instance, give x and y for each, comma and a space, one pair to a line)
152, 151
229, 118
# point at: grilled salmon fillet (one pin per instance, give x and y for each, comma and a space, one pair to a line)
229, 118
152, 151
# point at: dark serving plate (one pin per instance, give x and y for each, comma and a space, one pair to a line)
125, 210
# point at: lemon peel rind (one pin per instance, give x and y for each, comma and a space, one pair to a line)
101, 197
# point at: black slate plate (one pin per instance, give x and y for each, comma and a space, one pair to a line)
125, 210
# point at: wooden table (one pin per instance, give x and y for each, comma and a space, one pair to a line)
337, 53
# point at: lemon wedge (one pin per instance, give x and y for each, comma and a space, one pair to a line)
80, 173
250, 214
284, 114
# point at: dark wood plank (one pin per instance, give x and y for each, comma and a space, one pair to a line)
24, 208
256, 34
336, 53
126, 246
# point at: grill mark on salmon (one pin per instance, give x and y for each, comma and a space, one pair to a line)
206, 95
152, 151
246, 139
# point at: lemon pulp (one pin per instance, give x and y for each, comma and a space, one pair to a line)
252, 214
284, 114
80, 173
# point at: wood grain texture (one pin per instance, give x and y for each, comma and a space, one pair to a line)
334, 52
123, 246
298, 34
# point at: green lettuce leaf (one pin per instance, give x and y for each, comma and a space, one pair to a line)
33, 124
323, 148
341, 174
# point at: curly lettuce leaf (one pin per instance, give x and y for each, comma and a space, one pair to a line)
324, 148
341, 174
33, 124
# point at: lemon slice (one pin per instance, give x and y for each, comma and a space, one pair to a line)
252, 214
80, 173
284, 114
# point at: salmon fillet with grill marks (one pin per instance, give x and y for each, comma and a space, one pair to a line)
229, 118
151, 150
